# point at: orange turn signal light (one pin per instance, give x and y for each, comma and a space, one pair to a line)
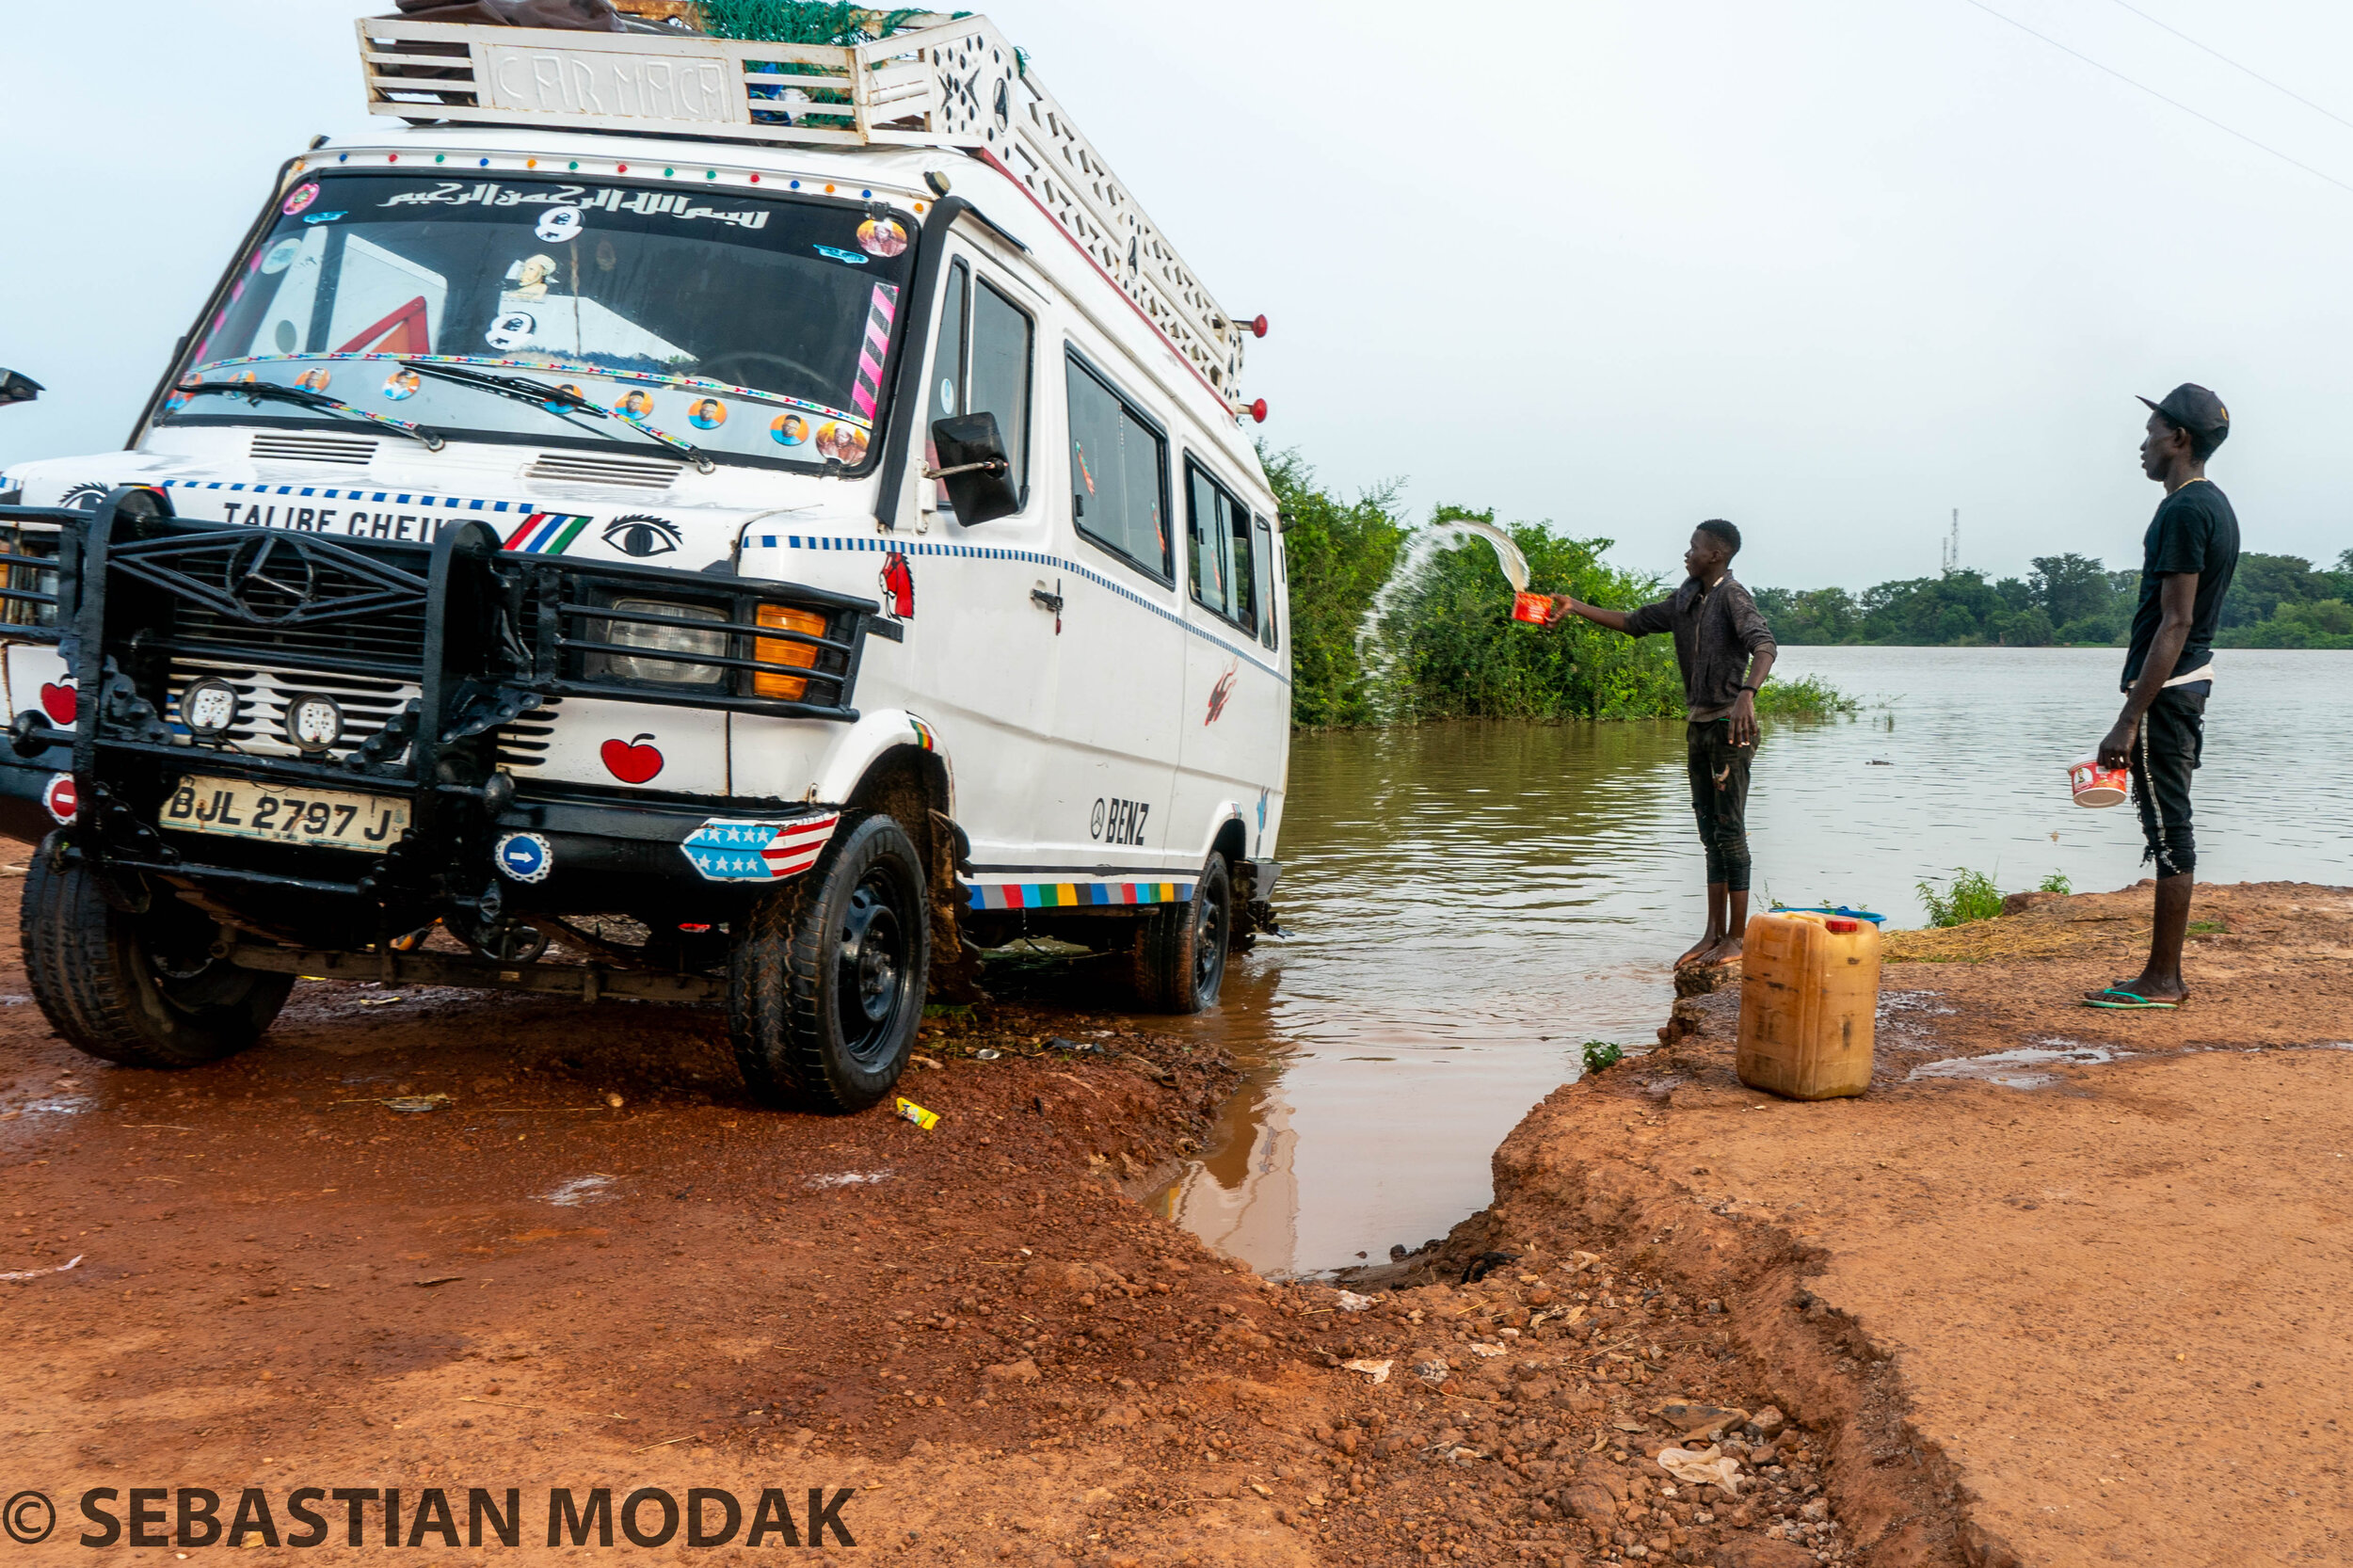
776, 651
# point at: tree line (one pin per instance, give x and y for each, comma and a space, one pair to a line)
2274, 602
1453, 650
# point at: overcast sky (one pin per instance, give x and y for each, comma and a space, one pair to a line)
1827, 267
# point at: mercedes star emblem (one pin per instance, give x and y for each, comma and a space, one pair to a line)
271, 577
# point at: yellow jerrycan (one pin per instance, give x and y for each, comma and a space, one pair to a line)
1809, 995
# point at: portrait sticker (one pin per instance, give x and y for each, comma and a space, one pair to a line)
708, 413
881, 237
512, 331
402, 385
530, 276
842, 441
558, 224
636, 405
789, 430
316, 378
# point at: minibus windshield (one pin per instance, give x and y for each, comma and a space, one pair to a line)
752, 325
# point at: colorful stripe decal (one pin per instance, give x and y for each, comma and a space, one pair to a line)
546, 534
1073, 895
694, 385
872, 352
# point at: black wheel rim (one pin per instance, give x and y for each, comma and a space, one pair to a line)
1208, 943
875, 970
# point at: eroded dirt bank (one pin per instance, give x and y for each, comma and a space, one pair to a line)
2086, 1305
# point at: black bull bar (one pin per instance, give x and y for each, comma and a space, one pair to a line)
485, 635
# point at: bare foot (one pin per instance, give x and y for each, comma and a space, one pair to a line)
1691, 955
2144, 987
1724, 950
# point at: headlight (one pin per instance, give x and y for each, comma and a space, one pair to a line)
778, 650
662, 639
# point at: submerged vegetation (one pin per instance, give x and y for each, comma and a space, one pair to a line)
1454, 650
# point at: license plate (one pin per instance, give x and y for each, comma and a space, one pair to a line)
328, 818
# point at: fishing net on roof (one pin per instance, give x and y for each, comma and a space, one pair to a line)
817, 22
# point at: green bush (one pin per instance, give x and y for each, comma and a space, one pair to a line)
1602, 1053
1457, 652
1972, 896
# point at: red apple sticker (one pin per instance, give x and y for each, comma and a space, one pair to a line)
630, 762
58, 702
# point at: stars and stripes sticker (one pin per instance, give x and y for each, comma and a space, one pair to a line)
546, 534
726, 850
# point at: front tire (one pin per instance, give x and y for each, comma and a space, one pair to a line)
140, 990
827, 975
1181, 950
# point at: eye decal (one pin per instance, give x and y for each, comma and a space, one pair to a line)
640, 534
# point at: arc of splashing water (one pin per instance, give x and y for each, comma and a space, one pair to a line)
1421, 556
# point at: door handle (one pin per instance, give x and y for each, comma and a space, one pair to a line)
1051, 604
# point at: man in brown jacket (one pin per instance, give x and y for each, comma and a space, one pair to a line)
1726, 650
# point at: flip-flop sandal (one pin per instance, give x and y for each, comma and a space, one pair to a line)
2128, 1001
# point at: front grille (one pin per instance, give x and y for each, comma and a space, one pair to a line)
569, 468
393, 640
270, 600
288, 446
524, 743
263, 697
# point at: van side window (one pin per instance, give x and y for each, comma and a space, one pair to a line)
1263, 532
1000, 382
1217, 542
1118, 473
947, 398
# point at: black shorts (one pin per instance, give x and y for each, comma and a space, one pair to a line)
2166, 753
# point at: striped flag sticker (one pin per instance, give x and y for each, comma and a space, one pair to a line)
546, 534
868, 391
728, 849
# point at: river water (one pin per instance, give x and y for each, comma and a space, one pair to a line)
1468, 904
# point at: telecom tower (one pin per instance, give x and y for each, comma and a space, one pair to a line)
1952, 546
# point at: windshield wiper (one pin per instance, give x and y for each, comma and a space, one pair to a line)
526, 389
258, 392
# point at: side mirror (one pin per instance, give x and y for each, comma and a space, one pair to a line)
16, 388
973, 463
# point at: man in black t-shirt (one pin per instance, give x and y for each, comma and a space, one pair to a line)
2187, 559
1726, 650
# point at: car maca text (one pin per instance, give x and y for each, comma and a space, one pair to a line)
676, 519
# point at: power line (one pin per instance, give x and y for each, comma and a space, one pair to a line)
2143, 86
2235, 66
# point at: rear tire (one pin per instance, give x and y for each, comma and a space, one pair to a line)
1181, 950
826, 977
140, 990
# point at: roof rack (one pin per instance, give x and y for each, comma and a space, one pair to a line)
952, 83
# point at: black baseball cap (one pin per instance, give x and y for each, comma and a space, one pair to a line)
2197, 410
